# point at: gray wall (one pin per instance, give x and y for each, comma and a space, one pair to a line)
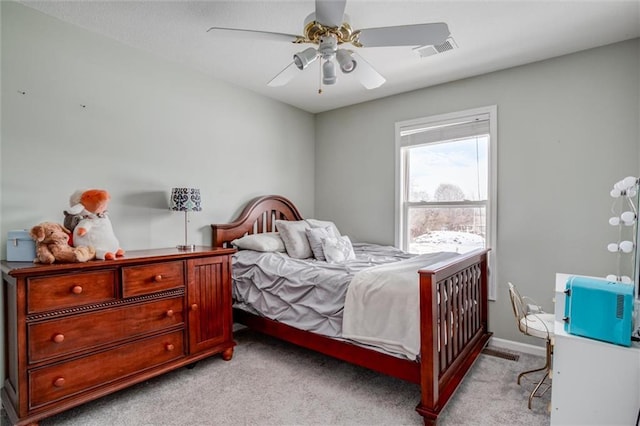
567, 131
147, 125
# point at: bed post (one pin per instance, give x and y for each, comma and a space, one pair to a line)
485, 293
429, 388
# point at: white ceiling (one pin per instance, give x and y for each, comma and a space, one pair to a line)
490, 35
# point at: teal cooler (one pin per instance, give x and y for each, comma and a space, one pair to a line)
599, 309
20, 246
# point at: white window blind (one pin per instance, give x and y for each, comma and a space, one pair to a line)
459, 128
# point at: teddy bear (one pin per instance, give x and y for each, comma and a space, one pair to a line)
52, 245
94, 226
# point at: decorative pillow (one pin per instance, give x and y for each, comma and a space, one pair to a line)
315, 236
315, 223
338, 250
268, 241
295, 238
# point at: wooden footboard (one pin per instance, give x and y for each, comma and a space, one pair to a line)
453, 315
454, 318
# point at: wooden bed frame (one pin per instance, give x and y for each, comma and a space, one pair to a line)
453, 315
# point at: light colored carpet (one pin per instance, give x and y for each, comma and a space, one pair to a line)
269, 382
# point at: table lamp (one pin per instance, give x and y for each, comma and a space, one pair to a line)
185, 200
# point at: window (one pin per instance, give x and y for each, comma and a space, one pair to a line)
445, 190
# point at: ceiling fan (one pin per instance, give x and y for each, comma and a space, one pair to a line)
328, 28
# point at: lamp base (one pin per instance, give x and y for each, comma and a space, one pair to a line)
189, 247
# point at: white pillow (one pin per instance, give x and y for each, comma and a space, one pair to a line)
268, 241
315, 223
315, 236
338, 250
295, 238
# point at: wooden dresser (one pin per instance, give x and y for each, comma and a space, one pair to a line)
76, 332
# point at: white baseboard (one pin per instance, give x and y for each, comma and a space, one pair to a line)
526, 348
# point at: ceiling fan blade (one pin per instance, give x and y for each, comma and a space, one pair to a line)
405, 35
330, 13
284, 76
252, 34
366, 74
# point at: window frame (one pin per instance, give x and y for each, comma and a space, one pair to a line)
401, 193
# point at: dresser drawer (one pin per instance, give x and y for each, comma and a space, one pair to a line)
62, 336
144, 279
59, 381
68, 290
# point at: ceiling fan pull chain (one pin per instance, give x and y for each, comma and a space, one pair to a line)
319, 77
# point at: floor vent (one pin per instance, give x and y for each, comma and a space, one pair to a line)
501, 354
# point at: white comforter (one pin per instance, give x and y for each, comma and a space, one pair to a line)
382, 305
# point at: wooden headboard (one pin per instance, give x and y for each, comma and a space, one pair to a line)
257, 217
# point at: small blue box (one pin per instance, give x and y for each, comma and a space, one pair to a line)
20, 246
599, 309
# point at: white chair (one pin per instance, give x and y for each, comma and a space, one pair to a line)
533, 321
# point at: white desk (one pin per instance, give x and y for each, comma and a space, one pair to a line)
594, 383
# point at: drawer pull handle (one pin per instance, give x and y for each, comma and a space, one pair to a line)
77, 289
59, 382
169, 347
58, 338
157, 278
170, 313
194, 307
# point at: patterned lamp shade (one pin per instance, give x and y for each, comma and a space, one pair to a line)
185, 200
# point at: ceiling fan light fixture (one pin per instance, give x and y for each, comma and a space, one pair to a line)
328, 73
347, 63
328, 27
304, 58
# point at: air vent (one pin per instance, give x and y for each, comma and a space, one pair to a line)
620, 306
501, 354
425, 51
